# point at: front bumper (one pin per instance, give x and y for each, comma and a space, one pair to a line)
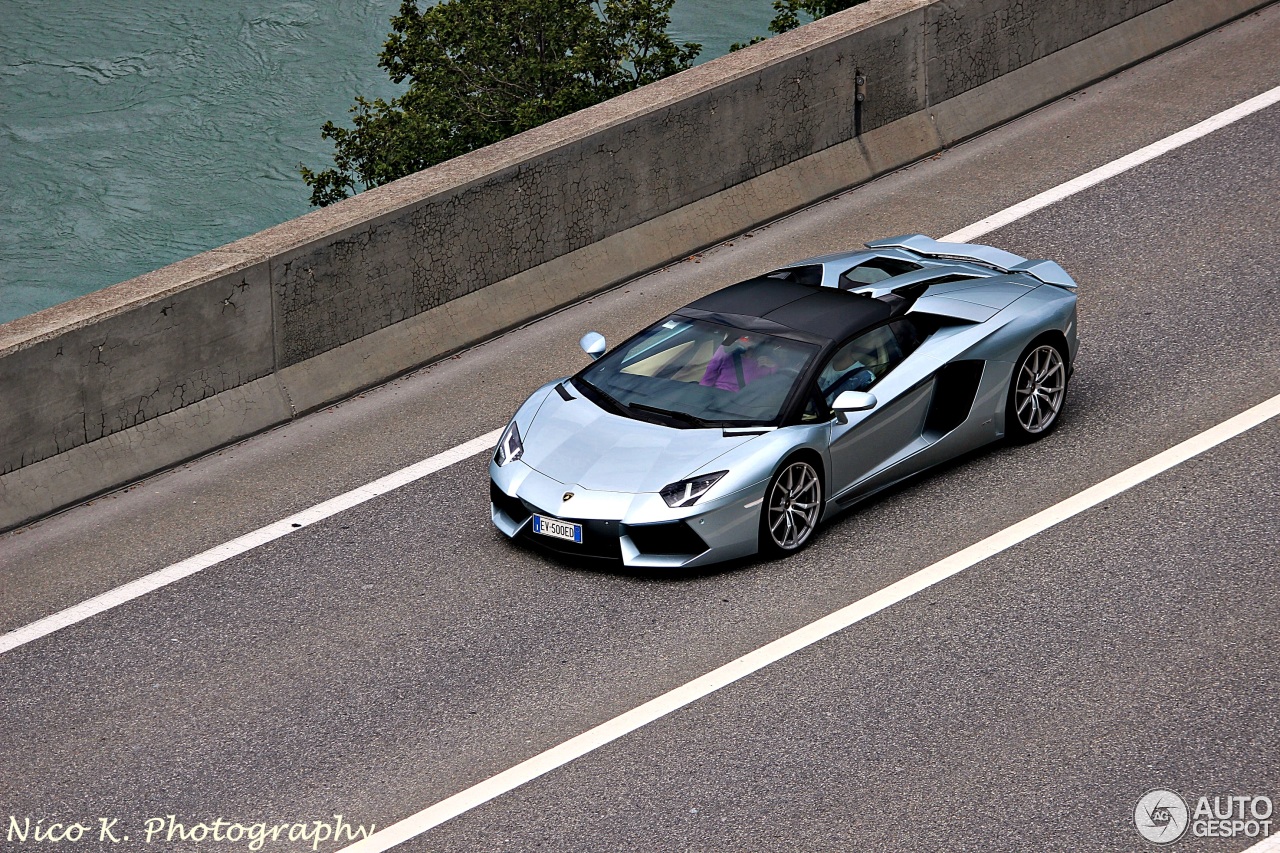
638, 529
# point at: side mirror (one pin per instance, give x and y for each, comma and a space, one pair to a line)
593, 344
854, 401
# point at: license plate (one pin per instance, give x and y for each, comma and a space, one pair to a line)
557, 528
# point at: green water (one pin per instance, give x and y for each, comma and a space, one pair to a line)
134, 134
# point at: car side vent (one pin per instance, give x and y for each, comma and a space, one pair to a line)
954, 390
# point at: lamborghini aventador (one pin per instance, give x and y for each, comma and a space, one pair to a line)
742, 421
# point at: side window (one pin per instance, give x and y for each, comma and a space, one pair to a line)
861, 363
909, 335
874, 270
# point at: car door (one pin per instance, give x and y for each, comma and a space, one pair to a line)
861, 443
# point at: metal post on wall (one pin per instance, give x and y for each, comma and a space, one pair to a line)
859, 95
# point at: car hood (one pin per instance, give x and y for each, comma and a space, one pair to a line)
578, 443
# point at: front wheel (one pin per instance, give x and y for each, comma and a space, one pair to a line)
1036, 392
792, 505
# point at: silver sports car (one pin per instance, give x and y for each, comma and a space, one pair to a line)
743, 420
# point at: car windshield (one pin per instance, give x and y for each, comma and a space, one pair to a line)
694, 373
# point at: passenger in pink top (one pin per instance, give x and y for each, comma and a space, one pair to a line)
737, 364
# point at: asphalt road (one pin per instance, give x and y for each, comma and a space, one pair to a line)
387, 657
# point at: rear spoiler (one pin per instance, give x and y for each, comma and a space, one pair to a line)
1005, 262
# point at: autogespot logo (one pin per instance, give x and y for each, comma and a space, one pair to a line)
1161, 816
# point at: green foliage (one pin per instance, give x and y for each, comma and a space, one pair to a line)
788, 12
482, 70
787, 15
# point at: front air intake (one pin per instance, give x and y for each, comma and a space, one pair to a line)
512, 507
673, 538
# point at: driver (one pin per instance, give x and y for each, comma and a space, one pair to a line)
738, 363
845, 372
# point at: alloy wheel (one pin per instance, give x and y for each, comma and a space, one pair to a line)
1040, 387
794, 504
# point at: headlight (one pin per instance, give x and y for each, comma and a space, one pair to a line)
510, 447
687, 492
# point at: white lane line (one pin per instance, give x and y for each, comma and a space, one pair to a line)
751, 662
213, 556
1270, 844
261, 536
1115, 167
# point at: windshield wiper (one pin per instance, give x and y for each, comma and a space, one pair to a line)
692, 420
594, 393
629, 409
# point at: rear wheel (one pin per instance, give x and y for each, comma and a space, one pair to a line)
1036, 393
792, 505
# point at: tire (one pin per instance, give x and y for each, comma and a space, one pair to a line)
791, 509
1037, 392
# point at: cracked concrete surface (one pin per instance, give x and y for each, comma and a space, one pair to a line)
101, 379
976, 41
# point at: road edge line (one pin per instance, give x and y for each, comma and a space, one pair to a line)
673, 700
220, 553
1109, 170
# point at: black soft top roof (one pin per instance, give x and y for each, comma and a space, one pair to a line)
822, 312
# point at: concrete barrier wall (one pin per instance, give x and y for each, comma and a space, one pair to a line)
108, 388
